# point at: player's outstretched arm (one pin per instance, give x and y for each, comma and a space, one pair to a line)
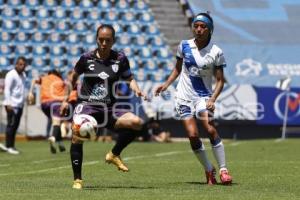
174, 74
136, 89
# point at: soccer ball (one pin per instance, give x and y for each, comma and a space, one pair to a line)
84, 127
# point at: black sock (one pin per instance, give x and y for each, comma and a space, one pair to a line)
125, 137
195, 142
76, 159
57, 133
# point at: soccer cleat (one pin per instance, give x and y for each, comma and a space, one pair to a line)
116, 160
226, 179
211, 177
3, 147
61, 148
12, 151
77, 184
52, 144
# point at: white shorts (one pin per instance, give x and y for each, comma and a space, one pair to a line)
190, 108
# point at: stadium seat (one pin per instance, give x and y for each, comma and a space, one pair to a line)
57, 50
133, 29
124, 39
128, 50
146, 17
8, 13
140, 40
122, 4
39, 51
76, 14
72, 38
38, 37
128, 17
45, 26
140, 74
133, 65
111, 16
74, 51
151, 29
9, 26
144, 52
4, 63
5, 49
68, 4
6, 37
22, 50
59, 13
104, 4
86, 5
32, 4
22, 37
118, 28
43, 13
93, 14
150, 64
27, 26
39, 63
159, 75
140, 5
80, 27
56, 63
89, 39
157, 42
54, 37
50, 4
25, 12
63, 27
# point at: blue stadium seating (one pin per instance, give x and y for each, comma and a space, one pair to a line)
72, 24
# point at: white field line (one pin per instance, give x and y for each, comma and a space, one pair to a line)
46, 160
93, 163
4, 165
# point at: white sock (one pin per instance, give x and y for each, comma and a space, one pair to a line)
219, 153
202, 157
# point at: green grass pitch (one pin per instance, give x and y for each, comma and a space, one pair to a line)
262, 169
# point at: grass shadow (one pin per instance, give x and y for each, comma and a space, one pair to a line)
204, 183
100, 187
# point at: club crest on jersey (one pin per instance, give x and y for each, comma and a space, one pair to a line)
115, 68
103, 75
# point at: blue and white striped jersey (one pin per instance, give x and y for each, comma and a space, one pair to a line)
197, 69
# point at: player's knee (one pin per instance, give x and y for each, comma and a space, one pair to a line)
211, 130
195, 143
136, 123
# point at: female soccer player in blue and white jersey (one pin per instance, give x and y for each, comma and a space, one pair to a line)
197, 62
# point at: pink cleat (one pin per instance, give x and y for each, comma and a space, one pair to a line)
226, 179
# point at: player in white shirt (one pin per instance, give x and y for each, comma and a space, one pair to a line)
14, 98
197, 62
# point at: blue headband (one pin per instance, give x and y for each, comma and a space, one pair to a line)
206, 20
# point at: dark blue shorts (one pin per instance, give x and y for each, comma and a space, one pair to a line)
51, 109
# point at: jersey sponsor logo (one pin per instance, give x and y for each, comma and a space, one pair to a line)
198, 72
91, 67
115, 68
103, 75
99, 92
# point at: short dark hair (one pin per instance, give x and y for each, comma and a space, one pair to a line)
102, 26
21, 58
